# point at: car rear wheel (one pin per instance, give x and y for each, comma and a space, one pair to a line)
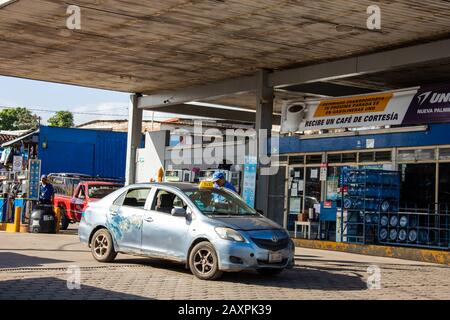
203, 262
269, 271
64, 220
102, 246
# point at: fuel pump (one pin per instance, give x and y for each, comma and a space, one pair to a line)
3, 198
10, 189
21, 195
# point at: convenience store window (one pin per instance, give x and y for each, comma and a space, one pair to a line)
313, 158
444, 183
418, 185
296, 159
375, 156
417, 155
347, 157
444, 154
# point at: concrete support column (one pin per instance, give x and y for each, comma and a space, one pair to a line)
133, 138
264, 110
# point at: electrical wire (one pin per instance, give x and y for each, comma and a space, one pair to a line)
79, 112
106, 114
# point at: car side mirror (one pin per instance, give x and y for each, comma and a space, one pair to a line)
178, 212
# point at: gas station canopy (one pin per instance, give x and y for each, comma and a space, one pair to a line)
178, 51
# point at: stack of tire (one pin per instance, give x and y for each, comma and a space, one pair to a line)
398, 228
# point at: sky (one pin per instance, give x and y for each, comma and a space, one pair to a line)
45, 98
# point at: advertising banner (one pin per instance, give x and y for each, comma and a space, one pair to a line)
249, 189
428, 104
17, 163
34, 179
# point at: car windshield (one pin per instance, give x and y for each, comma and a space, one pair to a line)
100, 191
220, 202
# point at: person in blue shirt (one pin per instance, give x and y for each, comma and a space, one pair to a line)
47, 192
220, 181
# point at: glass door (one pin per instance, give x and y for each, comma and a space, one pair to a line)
312, 188
296, 184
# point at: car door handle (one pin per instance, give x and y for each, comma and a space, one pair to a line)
149, 219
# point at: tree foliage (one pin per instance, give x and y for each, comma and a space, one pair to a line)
61, 119
18, 119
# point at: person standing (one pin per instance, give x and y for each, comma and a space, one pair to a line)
47, 193
220, 182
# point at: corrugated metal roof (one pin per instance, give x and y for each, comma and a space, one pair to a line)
11, 142
5, 138
15, 133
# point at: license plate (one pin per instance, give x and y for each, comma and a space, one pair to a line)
48, 218
275, 257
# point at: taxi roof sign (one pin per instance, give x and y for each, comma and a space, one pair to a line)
206, 185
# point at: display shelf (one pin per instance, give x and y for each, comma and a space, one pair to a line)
365, 195
371, 213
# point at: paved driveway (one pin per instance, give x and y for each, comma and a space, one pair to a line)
35, 266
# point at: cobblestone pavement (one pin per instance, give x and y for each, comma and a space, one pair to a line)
34, 266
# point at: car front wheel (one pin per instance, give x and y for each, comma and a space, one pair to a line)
102, 246
203, 261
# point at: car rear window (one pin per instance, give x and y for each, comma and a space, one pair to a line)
100, 191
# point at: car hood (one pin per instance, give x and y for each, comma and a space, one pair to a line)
248, 223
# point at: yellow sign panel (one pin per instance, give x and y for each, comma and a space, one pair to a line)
206, 185
353, 105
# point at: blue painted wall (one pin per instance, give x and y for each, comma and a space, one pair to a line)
93, 152
437, 134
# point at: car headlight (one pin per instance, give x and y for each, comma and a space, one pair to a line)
229, 234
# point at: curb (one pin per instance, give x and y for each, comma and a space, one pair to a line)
415, 254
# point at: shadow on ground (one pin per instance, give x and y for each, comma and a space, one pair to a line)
384, 265
296, 278
50, 288
302, 278
17, 260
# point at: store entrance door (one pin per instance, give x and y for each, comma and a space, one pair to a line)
313, 188
296, 187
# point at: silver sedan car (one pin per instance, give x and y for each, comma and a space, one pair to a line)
210, 230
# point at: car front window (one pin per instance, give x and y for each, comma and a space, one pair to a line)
219, 202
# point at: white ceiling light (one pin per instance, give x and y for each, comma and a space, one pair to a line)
4, 3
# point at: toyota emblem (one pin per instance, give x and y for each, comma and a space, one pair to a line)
274, 238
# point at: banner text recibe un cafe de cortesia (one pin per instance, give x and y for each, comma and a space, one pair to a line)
427, 104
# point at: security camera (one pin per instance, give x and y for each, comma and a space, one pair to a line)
294, 115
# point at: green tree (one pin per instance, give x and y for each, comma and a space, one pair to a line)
18, 119
61, 119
